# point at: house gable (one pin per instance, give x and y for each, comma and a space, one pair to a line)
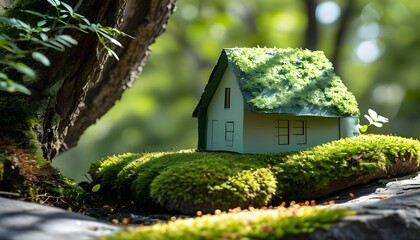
200, 111
225, 111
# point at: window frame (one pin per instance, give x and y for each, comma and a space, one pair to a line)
229, 133
280, 134
303, 131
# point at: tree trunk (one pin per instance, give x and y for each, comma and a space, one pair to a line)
81, 85
311, 34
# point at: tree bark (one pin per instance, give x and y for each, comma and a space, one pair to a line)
311, 35
144, 20
82, 85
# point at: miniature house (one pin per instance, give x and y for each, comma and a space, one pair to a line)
265, 100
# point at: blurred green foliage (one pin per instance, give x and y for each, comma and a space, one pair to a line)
378, 61
278, 223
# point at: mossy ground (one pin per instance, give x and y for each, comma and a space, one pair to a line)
173, 174
249, 224
191, 181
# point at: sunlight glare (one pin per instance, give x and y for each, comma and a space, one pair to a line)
368, 51
327, 12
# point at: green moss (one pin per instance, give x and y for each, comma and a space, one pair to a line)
312, 169
214, 183
291, 81
260, 224
191, 181
18, 122
105, 170
141, 169
71, 193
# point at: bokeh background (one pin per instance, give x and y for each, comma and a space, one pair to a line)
375, 47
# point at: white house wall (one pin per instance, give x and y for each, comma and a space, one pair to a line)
261, 132
348, 127
218, 118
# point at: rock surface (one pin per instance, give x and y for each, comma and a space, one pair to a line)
387, 210
29, 221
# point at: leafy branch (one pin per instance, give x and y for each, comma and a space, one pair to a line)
48, 33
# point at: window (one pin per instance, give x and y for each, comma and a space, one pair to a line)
229, 133
227, 98
299, 130
283, 132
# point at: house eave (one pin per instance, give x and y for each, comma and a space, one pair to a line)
212, 84
309, 112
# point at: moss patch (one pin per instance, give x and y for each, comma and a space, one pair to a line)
18, 122
256, 224
191, 181
25, 170
311, 172
214, 183
291, 81
106, 170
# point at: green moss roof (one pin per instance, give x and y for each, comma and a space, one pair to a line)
284, 81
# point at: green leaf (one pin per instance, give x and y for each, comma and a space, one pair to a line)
68, 7
114, 41
81, 17
60, 47
41, 23
68, 39
41, 58
96, 188
55, 3
43, 36
64, 42
3, 76
24, 69
10, 86
363, 128
112, 53
36, 14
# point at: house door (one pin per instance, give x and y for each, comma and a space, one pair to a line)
214, 133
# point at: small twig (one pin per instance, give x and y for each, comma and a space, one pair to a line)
10, 194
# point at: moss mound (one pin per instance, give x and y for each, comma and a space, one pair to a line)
216, 183
137, 176
343, 163
256, 224
191, 181
105, 171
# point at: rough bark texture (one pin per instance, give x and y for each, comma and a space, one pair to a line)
80, 86
84, 82
144, 20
